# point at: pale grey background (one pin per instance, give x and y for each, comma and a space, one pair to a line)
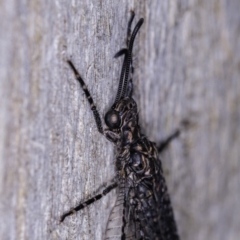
187, 74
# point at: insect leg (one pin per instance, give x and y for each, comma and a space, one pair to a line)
89, 201
89, 97
164, 144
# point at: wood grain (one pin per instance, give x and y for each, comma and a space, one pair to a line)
187, 75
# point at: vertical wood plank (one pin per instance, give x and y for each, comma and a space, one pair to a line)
187, 75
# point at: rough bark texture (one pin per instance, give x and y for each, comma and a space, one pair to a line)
187, 74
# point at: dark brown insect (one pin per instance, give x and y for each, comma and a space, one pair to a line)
143, 209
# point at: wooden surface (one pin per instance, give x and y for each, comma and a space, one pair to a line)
187, 74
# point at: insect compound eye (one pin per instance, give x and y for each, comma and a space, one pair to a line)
112, 119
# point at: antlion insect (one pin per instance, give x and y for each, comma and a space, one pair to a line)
143, 209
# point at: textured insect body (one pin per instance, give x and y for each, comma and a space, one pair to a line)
143, 209
145, 193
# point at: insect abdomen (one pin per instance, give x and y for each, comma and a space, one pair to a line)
149, 202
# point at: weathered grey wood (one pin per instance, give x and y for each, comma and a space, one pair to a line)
187, 74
